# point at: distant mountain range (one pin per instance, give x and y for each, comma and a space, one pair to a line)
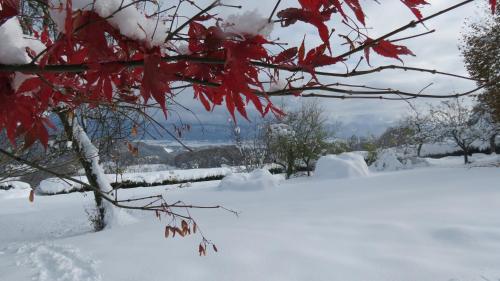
221, 133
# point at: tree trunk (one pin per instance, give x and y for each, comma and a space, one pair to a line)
493, 145
466, 155
419, 149
88, 157
289, 170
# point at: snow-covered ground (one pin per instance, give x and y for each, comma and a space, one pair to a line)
440, 222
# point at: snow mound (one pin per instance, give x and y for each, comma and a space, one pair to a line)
14, 190
394, 159
57, 185
345, 165
387, 161
6, 185
258, 179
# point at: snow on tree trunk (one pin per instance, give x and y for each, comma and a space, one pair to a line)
89, 154
107, 214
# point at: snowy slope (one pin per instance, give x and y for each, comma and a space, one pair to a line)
435, 223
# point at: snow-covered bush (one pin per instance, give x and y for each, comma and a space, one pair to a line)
13, 184
259, 179
387, 161
345, 165
12, 189
393, 159
57, 185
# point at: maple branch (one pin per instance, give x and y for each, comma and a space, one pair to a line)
273, 11
186, 23
284, 92
77, 68
411, 24
350, 93
413, 36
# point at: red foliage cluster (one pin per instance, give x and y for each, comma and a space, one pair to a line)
8, 9
221, 65
386, 49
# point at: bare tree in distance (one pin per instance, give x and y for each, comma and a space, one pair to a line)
453, 120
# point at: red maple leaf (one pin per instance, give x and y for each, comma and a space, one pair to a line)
493, 4
292, 15
414, 6
386, 49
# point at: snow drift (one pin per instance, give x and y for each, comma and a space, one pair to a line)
345, 165
394, 159
387, 161
259, 179
14, 189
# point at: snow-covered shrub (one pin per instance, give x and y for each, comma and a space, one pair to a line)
12, 184
57, 186
13, 189
387, 161
393, 159
345, 165
257, 180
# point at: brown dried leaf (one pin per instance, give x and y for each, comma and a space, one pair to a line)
184, 225
134, 130
167, 231
32, 196
202, 250
181, 232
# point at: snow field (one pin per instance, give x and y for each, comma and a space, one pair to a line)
434, 223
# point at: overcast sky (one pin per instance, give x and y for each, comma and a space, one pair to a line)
438, 50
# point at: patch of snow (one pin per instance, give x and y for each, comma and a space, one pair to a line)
146, 168
51, 262
345, 165
15, 184
13, 43
259, 179
129, 20
281, 130
249, 22
57, 185
12, 189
